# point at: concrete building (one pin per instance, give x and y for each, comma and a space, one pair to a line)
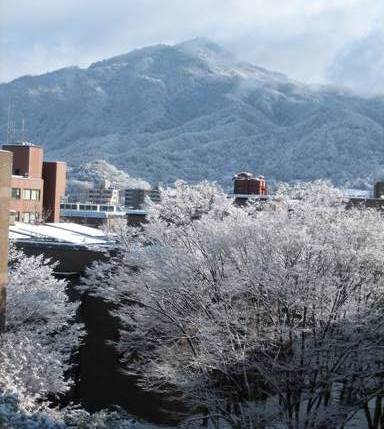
135, 198
5, 183
36, 185
104, 194
368, 199
136, 217
378, 190
94, 215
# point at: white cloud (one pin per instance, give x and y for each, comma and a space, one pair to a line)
360, 65
301, 38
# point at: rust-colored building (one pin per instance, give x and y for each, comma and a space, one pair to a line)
54, 176
246, 184
36, 185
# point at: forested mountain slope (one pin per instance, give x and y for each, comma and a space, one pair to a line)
193, 111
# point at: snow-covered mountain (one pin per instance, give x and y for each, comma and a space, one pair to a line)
193, 111
96, 172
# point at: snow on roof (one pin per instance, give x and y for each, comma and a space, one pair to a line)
358, 193
15, 235
67, 233
137, 212
243, 175
91, 213
82, 229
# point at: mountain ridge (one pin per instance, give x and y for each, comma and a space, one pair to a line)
193, 111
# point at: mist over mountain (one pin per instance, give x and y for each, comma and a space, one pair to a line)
193, 111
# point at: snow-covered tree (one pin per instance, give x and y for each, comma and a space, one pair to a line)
260, 318
35, 350
40, 335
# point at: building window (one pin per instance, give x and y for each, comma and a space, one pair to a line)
31, 194
35, 194
29, 217
26, 217
26, 194
16, 193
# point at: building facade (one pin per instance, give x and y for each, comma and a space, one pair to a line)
135, 198
378, 189
94, 215
36, 185
54, 177
5, 182
105, 196
246, 184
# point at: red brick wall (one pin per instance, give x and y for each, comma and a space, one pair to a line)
54, 175
5, 177
27, 160
250, 186
21, 205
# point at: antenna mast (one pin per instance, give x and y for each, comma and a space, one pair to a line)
22, 130
8, 121
12, 133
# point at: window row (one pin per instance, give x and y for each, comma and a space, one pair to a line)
28, 194
27, 217
89, 207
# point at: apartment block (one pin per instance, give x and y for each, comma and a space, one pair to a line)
135, 198
105, 196
36, 185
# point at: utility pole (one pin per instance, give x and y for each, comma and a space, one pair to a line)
5, 193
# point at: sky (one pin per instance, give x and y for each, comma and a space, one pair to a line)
316, 41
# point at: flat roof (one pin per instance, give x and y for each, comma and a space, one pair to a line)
22, 144
102, 214
65, 233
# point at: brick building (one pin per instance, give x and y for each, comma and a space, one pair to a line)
36, 185
246, 185
54, 176
5, 179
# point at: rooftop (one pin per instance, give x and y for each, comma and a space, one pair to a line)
23, 143
60, 233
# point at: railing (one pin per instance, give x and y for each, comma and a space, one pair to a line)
80, 207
